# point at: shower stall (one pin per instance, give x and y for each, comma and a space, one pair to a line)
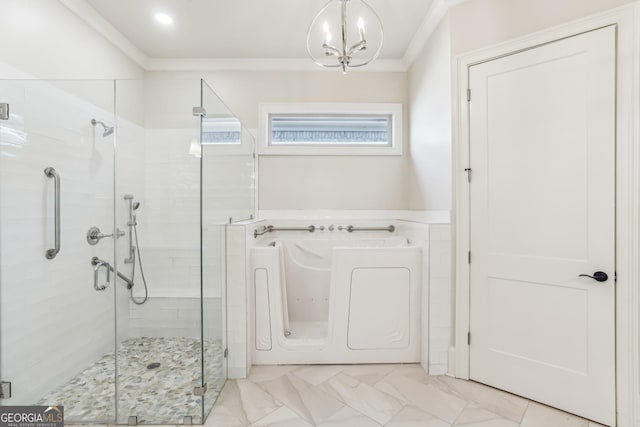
114, 198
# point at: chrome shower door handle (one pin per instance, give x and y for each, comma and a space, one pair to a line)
96, 275
52, 173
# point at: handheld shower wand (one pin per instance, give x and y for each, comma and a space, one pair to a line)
133, 233
131, 223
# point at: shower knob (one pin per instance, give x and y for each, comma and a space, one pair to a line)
94, 235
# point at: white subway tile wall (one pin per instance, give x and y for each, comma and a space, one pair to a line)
50, 307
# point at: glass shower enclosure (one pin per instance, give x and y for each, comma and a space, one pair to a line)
114, 196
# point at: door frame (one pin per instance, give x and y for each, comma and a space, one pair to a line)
627, 21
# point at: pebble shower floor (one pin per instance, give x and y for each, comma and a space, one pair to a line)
162, 395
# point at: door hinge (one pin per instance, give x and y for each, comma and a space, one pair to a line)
468, 95
469, 257
4, 111
468, 171
468, 338
200, 391
199, 111
5, 389
226, 350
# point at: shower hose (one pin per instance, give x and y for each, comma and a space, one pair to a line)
133, 272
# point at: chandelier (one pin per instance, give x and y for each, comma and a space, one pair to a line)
345, 34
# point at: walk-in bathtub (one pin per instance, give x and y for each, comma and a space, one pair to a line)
336, 301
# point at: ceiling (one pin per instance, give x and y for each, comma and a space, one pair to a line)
244, 29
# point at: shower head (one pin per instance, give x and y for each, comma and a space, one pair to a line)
136, 205
108, 130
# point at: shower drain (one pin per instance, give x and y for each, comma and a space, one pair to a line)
153, 365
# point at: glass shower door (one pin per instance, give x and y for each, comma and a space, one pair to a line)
56, 290
158, 204
227, 197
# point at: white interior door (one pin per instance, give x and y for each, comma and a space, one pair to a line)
542, 150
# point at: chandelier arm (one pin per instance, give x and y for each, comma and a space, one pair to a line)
344, 53
332, 49
362, 45
344, 28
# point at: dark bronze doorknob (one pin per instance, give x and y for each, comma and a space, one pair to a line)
599, 276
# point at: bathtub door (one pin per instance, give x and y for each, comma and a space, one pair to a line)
542, 216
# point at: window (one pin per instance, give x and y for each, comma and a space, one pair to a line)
331, 129
221, 130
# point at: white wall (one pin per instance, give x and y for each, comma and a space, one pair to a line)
480, 23
318, 182
470, 25
430, 123
44, 39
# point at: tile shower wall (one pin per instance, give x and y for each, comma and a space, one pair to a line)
169, 215
129, 180
50, 306
169, 238
169, 234
173, 317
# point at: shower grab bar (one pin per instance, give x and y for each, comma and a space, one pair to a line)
351, 228
270, 228
98, 262
96, 273
52, 173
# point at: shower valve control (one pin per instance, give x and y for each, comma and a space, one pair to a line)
94, 235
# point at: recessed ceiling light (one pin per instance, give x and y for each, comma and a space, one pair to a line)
163, 18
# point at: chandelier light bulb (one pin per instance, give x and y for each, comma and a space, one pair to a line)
361, 28
327, 33
355, 43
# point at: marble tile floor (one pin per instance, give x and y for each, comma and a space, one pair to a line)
163, 395
371, 396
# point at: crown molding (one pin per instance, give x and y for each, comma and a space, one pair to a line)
263, 64
103, 27
88, 14
437, 11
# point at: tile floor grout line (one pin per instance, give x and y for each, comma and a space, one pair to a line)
524, 413
482, 397
458, 416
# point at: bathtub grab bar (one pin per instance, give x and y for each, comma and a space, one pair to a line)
97, 262
96, 272
52, 173
270, 228
351, 228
